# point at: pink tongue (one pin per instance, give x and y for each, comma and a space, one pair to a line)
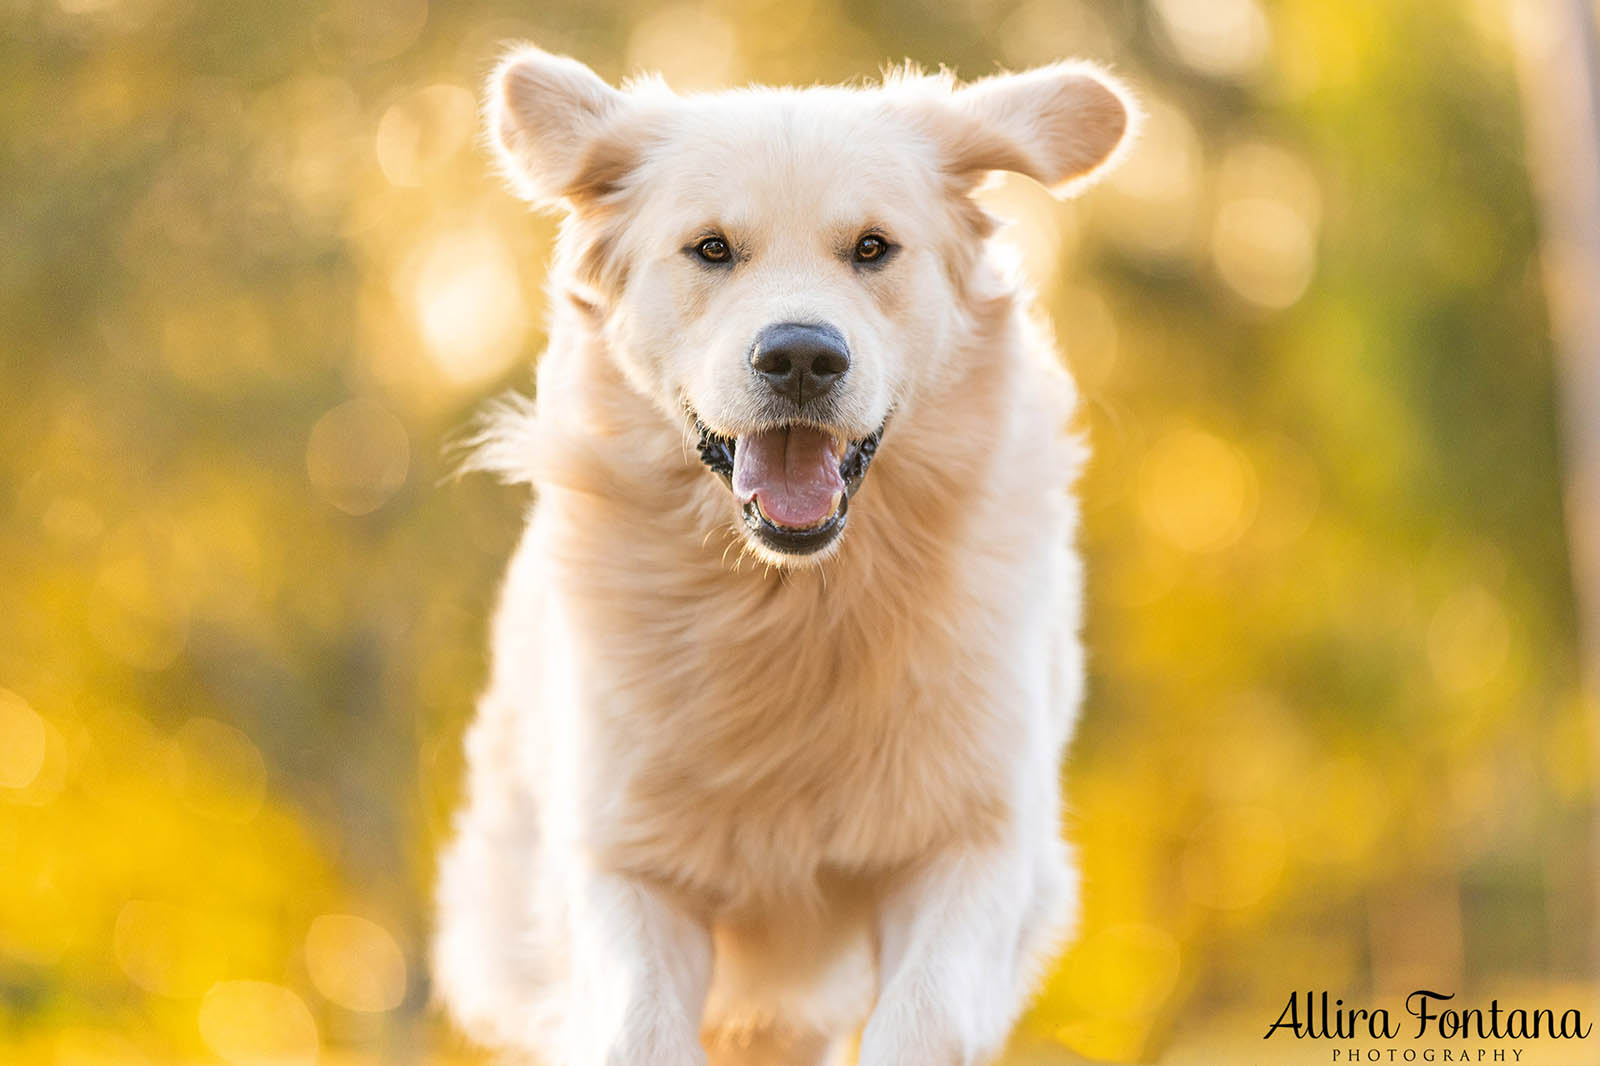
792, 473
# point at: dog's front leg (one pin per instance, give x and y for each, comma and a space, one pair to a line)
951, 940
640, 971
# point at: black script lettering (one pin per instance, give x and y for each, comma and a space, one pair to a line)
1291, 1011
1420, 1008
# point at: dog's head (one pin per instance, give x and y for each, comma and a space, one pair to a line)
783, 270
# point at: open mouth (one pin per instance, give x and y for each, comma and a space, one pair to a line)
793, 482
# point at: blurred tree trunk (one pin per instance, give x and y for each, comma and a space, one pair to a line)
1558, 61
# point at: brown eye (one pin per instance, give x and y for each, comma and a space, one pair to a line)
714, 250
870, 248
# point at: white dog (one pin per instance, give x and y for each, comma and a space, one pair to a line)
788, 655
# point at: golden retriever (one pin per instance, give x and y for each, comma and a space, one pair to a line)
788, 656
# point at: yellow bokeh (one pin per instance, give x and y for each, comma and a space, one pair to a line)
1196, 490
255, 1023
23, 742
467, 299
355, 963
420, 133
218, 770
1226, 38
358, 456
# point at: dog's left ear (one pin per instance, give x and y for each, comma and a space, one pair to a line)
1063, 126
561, 133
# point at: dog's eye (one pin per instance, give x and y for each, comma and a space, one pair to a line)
713, 250
870, 248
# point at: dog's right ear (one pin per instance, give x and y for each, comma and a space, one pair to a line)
556, 127
1062, 125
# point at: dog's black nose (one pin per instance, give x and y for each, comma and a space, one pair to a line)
800, 362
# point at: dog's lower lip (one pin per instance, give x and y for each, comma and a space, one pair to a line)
838, 501
787, 541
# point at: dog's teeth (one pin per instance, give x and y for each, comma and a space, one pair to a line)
837, 498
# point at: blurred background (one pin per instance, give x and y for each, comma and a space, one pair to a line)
1330, 327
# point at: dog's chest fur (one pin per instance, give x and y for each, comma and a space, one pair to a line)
777, 730
764, 733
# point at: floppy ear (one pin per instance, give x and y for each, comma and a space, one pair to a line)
1061, 125
554, 125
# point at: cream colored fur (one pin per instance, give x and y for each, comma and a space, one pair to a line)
723, 801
